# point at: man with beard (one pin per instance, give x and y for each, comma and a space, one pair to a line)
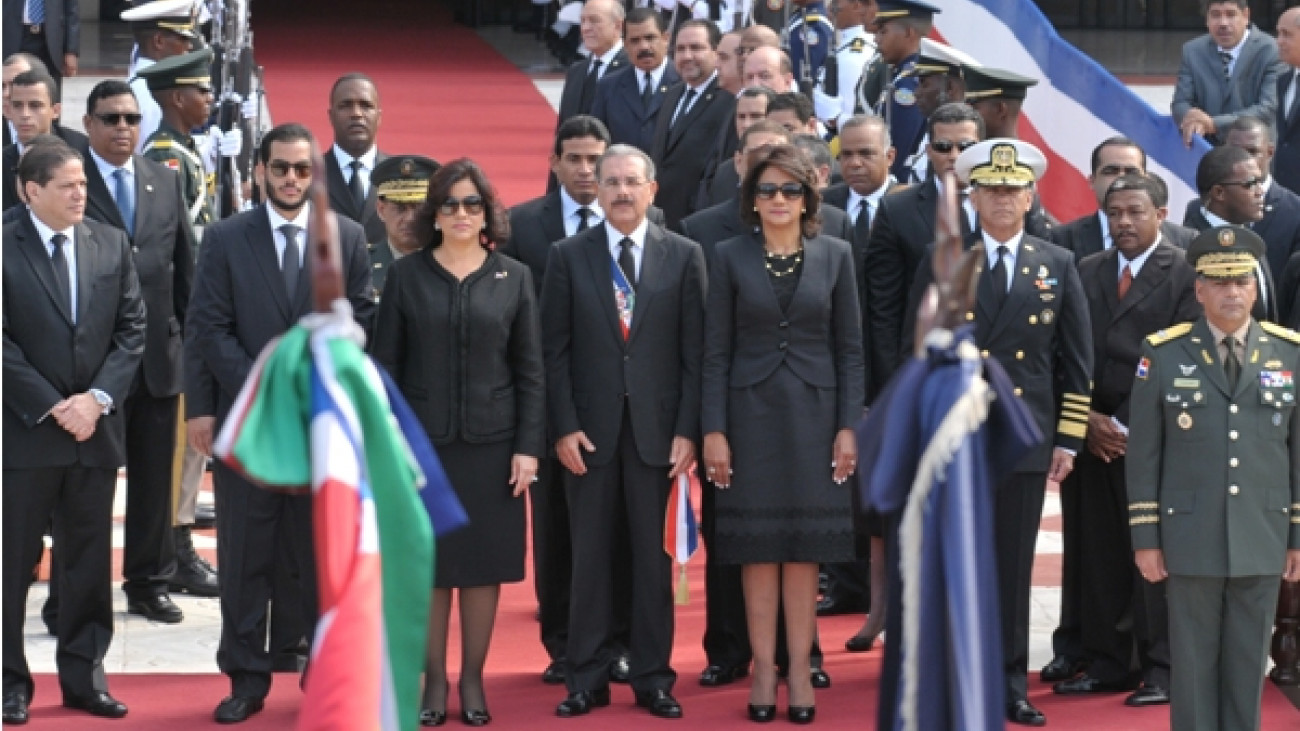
233, 314
355, 115
401, 185
628, 101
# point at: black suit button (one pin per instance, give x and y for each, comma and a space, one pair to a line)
627, 357
783, 345
784, 324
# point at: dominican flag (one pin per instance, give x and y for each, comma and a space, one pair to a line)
316, 414
1075, 105
681, 534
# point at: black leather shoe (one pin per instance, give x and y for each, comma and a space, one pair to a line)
1061, 668
802, 714
661, 703
193, 575
205, 515
1148, 695
554, 673
1024, 713
476, 717
15, 708
430, 717
820, 679
1086, 683
620, 670
582, 702
715, 675
858, 643
98, 703
236, 709
831, 605
155, 608
762, 714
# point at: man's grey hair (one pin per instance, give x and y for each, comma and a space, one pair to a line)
870, 120
626, 151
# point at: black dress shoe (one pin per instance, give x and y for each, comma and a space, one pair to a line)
155, 608
15, 708
236, 709
581, 702
1061, 668
802, 714
554, 673
715, 675
1086, 683
205, 515
832, 605
1148, 695
661, 703
1024, 713
762, 714
619, 670
476, 717
193, 575
430, 717
819, 678
858, 643
98, 703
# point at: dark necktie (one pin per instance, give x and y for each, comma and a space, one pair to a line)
290, 265
354, 185
999, 273
584, 213
626, 261
589, 87
862, 227
123, 194
1125, 281
1227, 65
1231, 366
648, 92
60, 264
684, 108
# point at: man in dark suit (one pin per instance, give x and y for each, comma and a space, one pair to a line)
1230, 72
628, 101
51, 31
720, 181
1280, 226
1138, 286
602, 30
13, 65
1031, 314
355, 116
623, 311
74, 331
695, 112
1286, 166
34, 108
252, 285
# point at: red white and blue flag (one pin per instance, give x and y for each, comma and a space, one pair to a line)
681, 533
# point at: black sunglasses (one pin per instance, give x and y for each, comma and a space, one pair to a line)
1248, 183
113, 119
768, 191
947, 145
473, 205
280, 168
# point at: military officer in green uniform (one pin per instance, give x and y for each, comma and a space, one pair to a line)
182, 86
1214, 483
401, 186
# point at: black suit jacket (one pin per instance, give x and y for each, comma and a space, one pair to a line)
61, 29
593, 374
341, 198
1289, 294
571, 96
618, 105
240, 303
1083, 236
1162, 294
1268, 307
48, 358
9, 175
163, 251
1286, 159
682, 151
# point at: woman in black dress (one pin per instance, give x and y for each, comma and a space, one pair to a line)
783, 388
458, 330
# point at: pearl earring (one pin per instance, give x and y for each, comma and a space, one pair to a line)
437, 226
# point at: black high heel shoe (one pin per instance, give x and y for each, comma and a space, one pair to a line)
430, 717
473, 716
802, 714
762, 714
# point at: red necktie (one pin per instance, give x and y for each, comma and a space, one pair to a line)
1125, 281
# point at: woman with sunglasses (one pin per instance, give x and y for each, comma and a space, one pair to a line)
458, 330
783, 388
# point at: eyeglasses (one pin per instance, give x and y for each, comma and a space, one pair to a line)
1112, 170
947, 145
113, 119
473, 205
281, 168
625, 182
789, 191
1248, 183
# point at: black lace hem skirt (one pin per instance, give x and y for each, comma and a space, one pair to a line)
783, 505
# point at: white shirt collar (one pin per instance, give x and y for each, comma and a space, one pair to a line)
607, 57
46, 233
367, 159
1106, 240
1138, 261
991, 248
569, 208
1235, 51
615, 237
1213, 219
106, 168
873, 199
703, 85
300, 220
656, 75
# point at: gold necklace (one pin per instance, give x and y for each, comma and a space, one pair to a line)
789, 262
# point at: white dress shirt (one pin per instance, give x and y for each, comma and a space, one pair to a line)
615, 239
300, 220
367, 161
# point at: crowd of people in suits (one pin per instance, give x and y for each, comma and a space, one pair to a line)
722, 275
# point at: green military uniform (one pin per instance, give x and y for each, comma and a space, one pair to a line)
1214, 482
176, 149
398, 179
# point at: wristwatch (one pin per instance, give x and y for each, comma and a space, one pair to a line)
104, 400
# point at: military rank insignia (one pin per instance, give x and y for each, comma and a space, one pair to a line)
1144, 367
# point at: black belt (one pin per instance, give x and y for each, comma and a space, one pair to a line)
34, 29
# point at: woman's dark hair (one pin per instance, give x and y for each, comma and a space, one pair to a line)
496, 225
793, 162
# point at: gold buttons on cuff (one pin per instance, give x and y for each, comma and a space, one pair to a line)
1019, 391
1020, 355
1233, 489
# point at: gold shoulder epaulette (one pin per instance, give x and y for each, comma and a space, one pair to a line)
1277, 331
1170, 333
858, 44
159, 144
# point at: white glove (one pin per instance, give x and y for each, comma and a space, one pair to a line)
229, 144
824, 105
249, 107
210, 148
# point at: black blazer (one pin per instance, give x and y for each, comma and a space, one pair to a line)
1083, 236
240, 303
490, 389
593, 374
1286, 158
682, 151
163, 250
748, 335
618, 105
1289, 294
1162, 294
9, 172
341, 198
1268, 307
61, 29
47, 358
571, 96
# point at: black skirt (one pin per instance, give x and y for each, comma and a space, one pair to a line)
490, 550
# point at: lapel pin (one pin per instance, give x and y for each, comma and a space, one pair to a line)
501, 275
148, 188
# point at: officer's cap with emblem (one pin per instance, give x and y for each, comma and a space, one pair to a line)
403, 178
1001, 161
983, 82
188, 69
177, 16
895, 9
1225, 252
940, 58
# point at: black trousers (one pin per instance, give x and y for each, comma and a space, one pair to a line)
149, 550
1067, 639
1018, 511
638, 492
251, 524
80, 502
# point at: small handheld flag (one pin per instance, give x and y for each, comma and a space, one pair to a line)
681, 536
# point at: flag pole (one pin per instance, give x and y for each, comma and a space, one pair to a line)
956, 271
323, 240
